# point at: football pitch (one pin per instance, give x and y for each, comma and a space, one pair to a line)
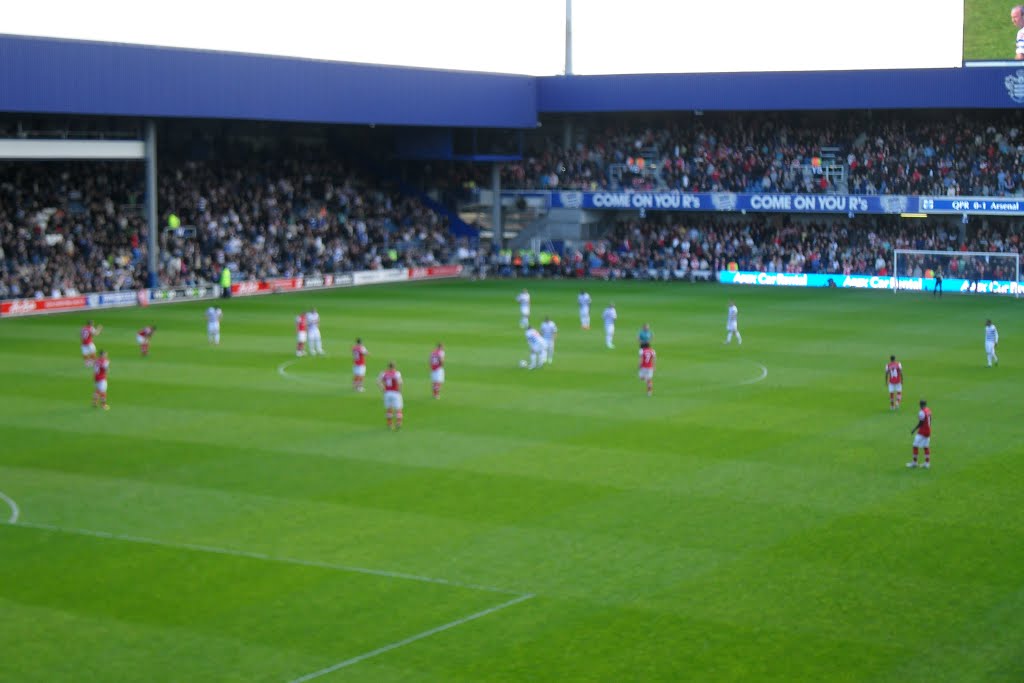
241, 514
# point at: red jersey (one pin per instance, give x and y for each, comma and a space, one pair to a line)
436, 359
87, 332
146, 332
925, 416
894, 371
100, 369
647, 358
359, 355
300, 323
391, 380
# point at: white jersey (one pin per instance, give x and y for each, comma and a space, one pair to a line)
733, 315
313, 320
213, 315
609, 316
1020, 42
548, 330
991, 333
584, 301
524, 302
534, 339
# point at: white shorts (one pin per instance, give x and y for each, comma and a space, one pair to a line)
393, 400
646, 373
437, 376
524, 311
213, 328
921, 441
139, 339
539, 348
314, 333
359, 370
609, 329
88, 349
730, 327
101, 386
896, 388
301, 336
990, 347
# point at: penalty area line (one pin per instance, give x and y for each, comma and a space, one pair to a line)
196, 547
411, 639
15, 511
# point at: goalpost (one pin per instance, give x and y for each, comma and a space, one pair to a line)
977, 272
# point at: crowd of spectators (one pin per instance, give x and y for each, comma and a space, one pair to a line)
287, 219
668, 249
67, 229
75, 228
70, 228
918, 153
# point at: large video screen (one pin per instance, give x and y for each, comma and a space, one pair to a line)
529, 36
993, 31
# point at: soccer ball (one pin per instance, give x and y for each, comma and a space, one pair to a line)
522, 363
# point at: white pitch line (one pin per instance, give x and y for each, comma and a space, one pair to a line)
282, 370
259, 556
411, 639
764, 373
15, 512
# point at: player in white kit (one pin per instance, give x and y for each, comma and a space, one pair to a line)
609, 316
549, 331
315, 344
1017, 17
524, 308
213, 317
731, 327
991, 342
538, 348
584, 302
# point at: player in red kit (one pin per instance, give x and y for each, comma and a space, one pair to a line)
437, 369
923, 437
894, 380
647, 356
89, 332
359, 354
142, 338
100, 367
390, 382
300, 334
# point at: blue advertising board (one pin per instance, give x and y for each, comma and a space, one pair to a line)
782, 203
860, 281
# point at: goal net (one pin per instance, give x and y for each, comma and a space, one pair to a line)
975, 272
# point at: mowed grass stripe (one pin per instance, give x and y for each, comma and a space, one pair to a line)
255, 611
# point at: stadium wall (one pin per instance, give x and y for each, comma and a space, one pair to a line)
972, 88
43, 75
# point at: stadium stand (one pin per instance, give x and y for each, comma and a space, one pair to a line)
914, 153
67, 229
665, 247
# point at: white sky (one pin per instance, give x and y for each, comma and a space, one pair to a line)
528, 36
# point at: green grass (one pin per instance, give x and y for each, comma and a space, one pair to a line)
215, 525
988, 32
